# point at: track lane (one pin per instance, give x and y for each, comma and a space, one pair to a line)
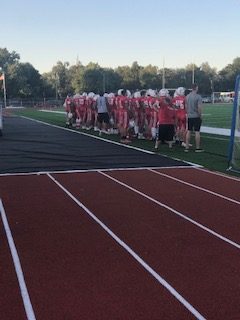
226, 186
73, 269
11, 303
201, 267
215, 213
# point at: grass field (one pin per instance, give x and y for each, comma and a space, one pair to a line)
215, 146
217, 115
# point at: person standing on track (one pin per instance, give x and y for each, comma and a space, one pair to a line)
194, 116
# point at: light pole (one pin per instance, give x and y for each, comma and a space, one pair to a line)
193, 74
4, 87
104, 82
163, 75
56, 85
212, 89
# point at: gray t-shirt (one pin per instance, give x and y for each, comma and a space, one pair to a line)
102, 105
193, 101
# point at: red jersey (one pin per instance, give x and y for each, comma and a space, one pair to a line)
89, 103
123, 118
179, 103
166, 114
67, 103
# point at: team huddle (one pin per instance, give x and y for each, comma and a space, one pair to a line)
145, 114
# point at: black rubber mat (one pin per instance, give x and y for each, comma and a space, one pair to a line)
29, 146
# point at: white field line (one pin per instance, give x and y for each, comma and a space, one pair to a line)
219, 236
161, 280
106, 140
195, 186
24, 292
89, 135
53, 111
219, 131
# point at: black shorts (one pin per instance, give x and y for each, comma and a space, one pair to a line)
166, 132
103, 117
194, 124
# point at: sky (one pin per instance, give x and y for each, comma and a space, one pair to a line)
114, 33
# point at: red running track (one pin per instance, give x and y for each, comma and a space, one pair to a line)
75, 270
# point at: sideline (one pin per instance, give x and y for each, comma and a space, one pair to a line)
110, 141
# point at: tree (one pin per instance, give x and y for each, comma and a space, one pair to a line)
112, 80
58, 80
8, 58
76, 72
23, 80
149, 77
130, 76
228, 75
92, 80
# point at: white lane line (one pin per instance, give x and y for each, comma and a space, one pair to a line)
219, 174
89, 170
195, 186
236, 245
24, 292
161, 280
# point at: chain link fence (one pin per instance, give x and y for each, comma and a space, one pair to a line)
33, 103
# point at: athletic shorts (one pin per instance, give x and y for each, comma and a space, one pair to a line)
166, 132
103, 117
194, 124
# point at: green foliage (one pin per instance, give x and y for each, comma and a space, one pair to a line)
7, 58
23, 80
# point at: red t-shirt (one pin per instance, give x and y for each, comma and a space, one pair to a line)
166, 114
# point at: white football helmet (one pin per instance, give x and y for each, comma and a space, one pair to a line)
77, 95
120, 92
96, 96
137, 94
180, 91
111, 95
151, 92
91, 94
164, 93
128, 92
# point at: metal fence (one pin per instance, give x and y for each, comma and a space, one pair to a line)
33, 103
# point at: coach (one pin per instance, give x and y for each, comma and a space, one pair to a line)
194, 116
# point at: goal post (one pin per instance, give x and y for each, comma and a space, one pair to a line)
234, 145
